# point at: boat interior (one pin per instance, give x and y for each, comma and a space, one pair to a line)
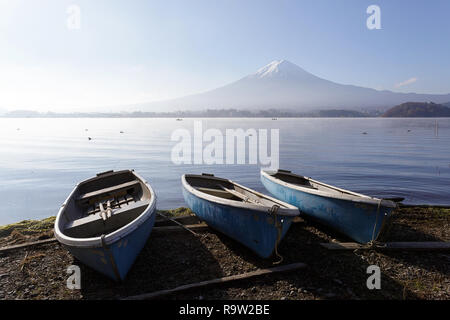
104, 204
225, 189
304, 182
291, 178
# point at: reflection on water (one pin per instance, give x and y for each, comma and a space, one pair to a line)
41, 160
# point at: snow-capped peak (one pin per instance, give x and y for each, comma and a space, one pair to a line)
279, 68
270, 68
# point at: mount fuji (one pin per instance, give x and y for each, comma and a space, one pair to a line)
285, 86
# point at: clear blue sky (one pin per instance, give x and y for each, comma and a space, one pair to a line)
138, 51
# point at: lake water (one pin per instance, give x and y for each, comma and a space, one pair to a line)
41, 160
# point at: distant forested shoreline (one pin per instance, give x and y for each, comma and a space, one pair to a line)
404, 110
219, 113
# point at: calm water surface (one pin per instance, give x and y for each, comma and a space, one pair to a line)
41, 160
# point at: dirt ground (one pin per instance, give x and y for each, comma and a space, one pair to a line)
177, 258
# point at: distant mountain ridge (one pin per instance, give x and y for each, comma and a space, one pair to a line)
418, 110
285, 86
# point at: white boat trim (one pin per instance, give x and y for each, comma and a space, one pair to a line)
346, 194
285, 209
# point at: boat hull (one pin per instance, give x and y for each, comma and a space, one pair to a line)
255, 229
360, 221
115, 259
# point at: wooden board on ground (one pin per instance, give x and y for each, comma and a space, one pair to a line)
26, 245
195, 227
248, 275
437, 206
191, 219
426, 246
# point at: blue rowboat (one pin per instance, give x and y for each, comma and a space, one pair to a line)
106, 221
358, 216
249, 217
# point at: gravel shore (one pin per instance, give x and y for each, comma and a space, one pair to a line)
177, 258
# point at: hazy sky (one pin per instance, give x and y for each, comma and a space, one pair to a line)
129, 52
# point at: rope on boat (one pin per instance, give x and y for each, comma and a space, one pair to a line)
373, 242
273, 211
386, 227
111, 258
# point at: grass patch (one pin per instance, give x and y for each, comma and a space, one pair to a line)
179, 212
28, 227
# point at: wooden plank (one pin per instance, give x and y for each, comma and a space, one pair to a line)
341, 245
108, 190
429, 245
166, 223
437, 206
26, 245
248, 275
410, 246
198, 227
190, 219
240, 195
216, 192
176, 222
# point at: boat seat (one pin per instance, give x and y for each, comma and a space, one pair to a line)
216, 192
108, 192
239, 195
304, 185
94, 225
